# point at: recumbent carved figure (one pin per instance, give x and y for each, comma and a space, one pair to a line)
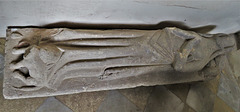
47, 57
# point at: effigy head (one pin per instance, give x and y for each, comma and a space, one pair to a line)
36, 57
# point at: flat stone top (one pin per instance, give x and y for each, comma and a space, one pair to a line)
48, 62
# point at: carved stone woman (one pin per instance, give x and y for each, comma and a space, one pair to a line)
48, 57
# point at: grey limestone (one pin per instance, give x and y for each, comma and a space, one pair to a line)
17, 105
162, 100
48, 62
139, 96
200, 98
116, 102
83, 102
229, 92
53, 105
180, 90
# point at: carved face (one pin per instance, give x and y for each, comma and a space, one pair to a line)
37, 60
46, 57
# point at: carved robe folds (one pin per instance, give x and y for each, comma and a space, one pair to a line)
47, 62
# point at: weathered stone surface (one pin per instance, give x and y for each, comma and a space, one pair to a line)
180, 90
229, 92
83, 102
139, 96
212, 84
187, 109
162, 100
238, 80
47, 62
18, 105
2, 45
1, 65
235, 62
53, 105
228, 89
116, 102
221, 106
200, 98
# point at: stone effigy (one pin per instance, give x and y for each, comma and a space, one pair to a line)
47, 62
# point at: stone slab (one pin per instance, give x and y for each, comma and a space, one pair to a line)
235, 62
162, 100
116, 102
53, 105
139, 96
180, 90
48, 62
221, 106
2, 45
83, 102
200, 98
17, 105
229, 92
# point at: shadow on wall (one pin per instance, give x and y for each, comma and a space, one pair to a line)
161, 25
238, 39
